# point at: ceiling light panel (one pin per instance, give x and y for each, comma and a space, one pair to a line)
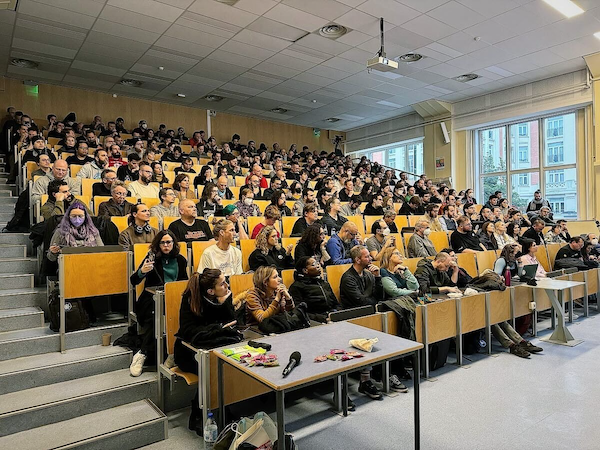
565, 7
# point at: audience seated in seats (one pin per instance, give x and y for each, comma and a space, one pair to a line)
222, 190
312, 243
333, 219
254, 186
139, 230
346, 194
546, 215
380, 240
570, 255
187, 166
69, 146
205, 176
431, 217
535, 232
209, 204
130, 171
39, 148
590, 254
232, 213
447, 220
118, 204
81, 157
59, 199
141, 188
59, 172
353, 207
276, 185
182, 189
487, 237
389, 217
257, 171
270, 305
375, 206
76, 229
507, 265
340, 244
157, 173
361, 285
222, 255
514, 231
323, 196
44, 166
309, 287
464, 278
502, 237
95, 168
268, 251
553, 235
272, 215
565, 230
433, 277
163, 264
102, 189
278, 199
115, 158
419, 245
534, 206
528, 251
308, 196
188, 227
310, 217
464, 240
166, 207
396, 278
413, 206
136, 147
246, 205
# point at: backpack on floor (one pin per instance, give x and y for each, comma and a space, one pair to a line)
76, 317
438, 354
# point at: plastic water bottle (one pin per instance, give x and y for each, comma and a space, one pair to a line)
211, 432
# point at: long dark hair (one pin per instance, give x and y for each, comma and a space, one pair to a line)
134, 210
178, 179
198, 287
155, 245
206, 191
507, 253
312, 236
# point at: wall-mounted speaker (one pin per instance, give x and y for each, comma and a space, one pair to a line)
445, 132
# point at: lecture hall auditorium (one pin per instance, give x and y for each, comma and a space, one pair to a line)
316, 224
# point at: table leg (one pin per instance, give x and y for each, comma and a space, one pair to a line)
280, 398
385, 378
337, 394
416, 394
345, 395
561, 333
220, 395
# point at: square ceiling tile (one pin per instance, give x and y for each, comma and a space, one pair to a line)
463, 43
258, 7
322, 44
98, 68
423, 5
490, 8
223, 12
35, 26
327, 9
44, 48
250, 51
354, 38
116, 29
134, 19
491, 32
232, 58
274, 69
328, 72
155, 71
345, 65
456, 15
363, 22
306, 77
276, 29
305, 54
131, 49
87, 82
429, 27
59, 15
211, 26
290, 62
87, 7
395, 12
150, 8
261, 40
202, 81
405, 38
48, 38
196, 35
295, 18
187, 48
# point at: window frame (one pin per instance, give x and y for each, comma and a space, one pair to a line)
410, 149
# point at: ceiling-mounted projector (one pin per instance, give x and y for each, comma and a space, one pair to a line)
382, 64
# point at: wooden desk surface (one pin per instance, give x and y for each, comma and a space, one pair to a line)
312, 342
550, 283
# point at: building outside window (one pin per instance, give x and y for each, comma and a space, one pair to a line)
520, 158
406, 156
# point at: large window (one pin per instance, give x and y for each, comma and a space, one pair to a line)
520, 158
406, 156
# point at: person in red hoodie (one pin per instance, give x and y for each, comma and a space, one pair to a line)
257, 170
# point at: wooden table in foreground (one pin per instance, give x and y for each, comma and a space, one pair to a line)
312, 342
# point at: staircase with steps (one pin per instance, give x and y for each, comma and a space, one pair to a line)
84, 398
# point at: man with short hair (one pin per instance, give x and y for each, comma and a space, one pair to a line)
80, 158
137, 149
375, 206
222, 255
166, 207
59, 199
431, 217
310, 217
141, 188
131, 170
275, 186
381, 239
433, 275
59, 171
189, 228
390, 216
447, 220
535, 232
546, 215
492, 201
570, 251
340, 244
44, 166
413, 207
308, 196
95, 168
463, 240
103, 189
352, 208
564, 230
419, 244
332, 219
536, 204
39, 148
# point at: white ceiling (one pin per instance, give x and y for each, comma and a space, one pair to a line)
265, 54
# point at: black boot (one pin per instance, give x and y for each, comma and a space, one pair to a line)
195, 423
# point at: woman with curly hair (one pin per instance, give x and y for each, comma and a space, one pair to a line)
268, 252
312, 243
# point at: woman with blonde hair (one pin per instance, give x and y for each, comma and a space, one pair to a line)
269, 252
502, 237
270, 304
396, 278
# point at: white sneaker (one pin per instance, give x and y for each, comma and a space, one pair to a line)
137, 364
170, 362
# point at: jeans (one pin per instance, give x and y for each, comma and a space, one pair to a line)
506, 334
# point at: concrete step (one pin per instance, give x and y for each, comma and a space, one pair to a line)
12, 281
6, 193
12, 251
6, 213
39, 406
19, 265
37, 341
18, 298
14, 238
124, 427
41, 370
21, 318
8, 201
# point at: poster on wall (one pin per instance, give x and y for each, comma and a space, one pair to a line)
439, 163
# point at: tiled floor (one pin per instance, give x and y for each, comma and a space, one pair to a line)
499, 402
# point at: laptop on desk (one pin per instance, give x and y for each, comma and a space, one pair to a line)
528, 272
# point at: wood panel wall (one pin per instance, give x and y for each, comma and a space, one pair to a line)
62, 100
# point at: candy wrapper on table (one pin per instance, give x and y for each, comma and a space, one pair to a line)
244, 351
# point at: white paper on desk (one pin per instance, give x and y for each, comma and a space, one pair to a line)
255, 435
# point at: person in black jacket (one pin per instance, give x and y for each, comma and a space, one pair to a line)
375, 206
163, 264
309, 287
535, 232
268, 252
309, 217
206, 309
312, 243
